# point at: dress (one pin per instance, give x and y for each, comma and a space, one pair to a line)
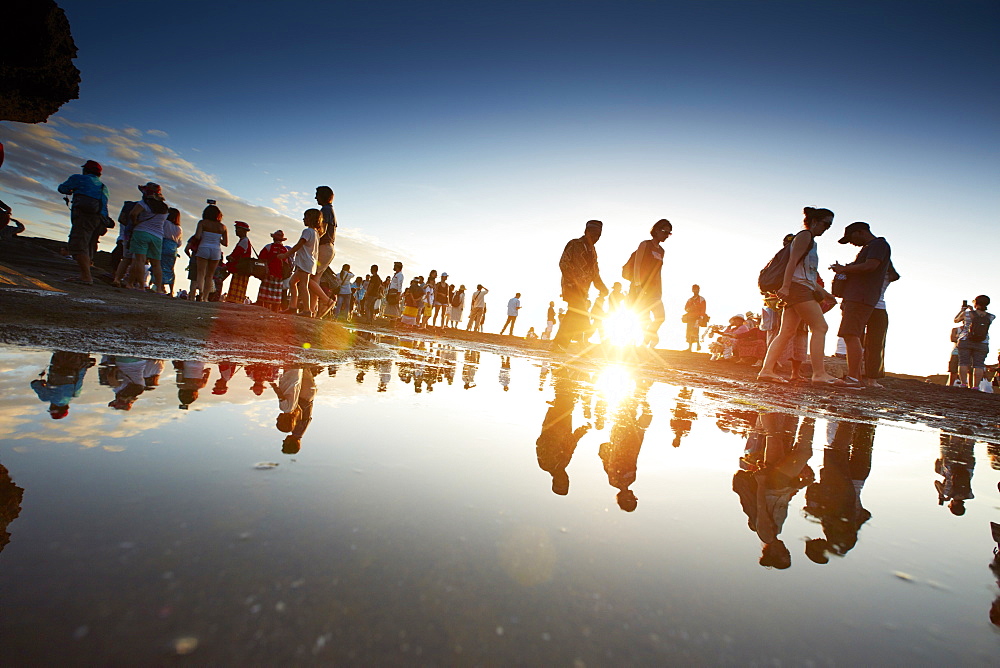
458, 305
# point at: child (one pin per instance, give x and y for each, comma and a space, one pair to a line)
304, 254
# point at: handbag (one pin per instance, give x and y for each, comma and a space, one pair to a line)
251, 265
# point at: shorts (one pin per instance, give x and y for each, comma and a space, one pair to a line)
854, 318
144, 243
324, 258
973, 353
81, 231
953, 361
209, 253
799, 294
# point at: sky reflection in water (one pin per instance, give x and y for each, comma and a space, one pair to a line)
452, 505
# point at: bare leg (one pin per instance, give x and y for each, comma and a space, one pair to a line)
157, 269
83, 262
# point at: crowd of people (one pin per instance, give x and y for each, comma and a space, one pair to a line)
790, 329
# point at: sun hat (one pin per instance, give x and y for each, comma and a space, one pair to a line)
278, 235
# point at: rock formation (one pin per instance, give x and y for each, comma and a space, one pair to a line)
37, 75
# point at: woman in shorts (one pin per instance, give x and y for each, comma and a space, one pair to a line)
304, 256
210, 236
146, 220
801, 294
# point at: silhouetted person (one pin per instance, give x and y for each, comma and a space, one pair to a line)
956, 464
579, 269
835, 499
683, 415
621, 454
10, 504
557, 442
772, 471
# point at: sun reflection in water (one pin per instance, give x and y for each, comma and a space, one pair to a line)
615, 383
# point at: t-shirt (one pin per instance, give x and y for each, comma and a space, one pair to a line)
650, 254
867, 287
479, 298
305, 256
512, 306
330, 218
397, 282
346, 278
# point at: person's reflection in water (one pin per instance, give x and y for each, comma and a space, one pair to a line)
621, 454
130, 375
226, 372
261, 375
296, 391
736, 421
995, 567
191, 377
772, 470
505, 373
62, 381
543, 375
557, 442
956, 465
10, 504
151, 374
384, 374
683, 415
835, 499
469, 369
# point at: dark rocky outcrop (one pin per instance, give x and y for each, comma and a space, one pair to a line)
37, 75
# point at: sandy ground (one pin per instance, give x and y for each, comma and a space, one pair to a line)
42, 311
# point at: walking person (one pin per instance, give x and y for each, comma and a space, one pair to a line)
513, 306
646, 291
146, 220
973, 340
325, 252
209, 237
799, 291
272, 290
87, 215
172, 237
862, 291
303, 257
578, 265
237, 293
695, 309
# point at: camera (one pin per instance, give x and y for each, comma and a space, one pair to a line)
211, 201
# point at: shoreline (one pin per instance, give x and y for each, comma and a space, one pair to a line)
43, 312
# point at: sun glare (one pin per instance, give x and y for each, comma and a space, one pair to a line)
615, 383
622, 328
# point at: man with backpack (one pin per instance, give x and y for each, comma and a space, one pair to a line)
861, 293
88, 213
973, 340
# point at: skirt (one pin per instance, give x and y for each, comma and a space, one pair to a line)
456, 312
238, 289
409, 315
271, 291
168, 257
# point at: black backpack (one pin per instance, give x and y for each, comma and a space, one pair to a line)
979, 327
773, 274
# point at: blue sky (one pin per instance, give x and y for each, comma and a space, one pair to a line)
477, 138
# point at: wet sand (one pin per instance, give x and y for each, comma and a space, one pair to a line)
40, 310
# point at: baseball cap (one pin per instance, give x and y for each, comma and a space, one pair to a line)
92, 166
851, 229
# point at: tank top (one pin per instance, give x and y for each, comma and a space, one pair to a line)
807, 271
210, 241
149, 222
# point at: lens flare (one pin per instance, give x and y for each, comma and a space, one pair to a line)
615, 383
623, 328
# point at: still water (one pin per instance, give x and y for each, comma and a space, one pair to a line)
452, 506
